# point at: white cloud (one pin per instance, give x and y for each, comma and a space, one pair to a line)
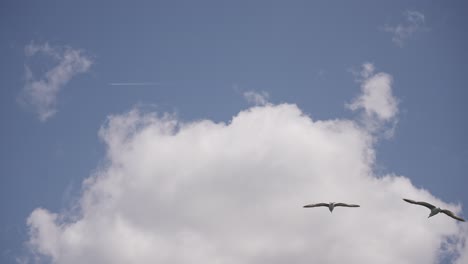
461, 247
41, 92
464, 255
257, 98
206, 192
414, 22
376, 99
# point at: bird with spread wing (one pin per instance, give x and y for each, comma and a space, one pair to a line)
330, 206
435, 210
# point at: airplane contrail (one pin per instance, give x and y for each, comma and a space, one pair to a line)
135, 84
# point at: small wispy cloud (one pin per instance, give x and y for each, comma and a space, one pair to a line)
257, 98
379, 105
414, 22
41, 92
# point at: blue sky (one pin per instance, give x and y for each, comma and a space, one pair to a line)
199, 58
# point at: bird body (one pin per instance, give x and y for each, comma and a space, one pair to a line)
435, 210
331, 205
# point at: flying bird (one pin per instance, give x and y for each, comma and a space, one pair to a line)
435, 210
330, 206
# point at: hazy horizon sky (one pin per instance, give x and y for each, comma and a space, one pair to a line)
115, 113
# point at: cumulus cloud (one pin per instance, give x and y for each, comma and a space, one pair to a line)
379, 105
256, 98
414, 22
40, 93
460, 248
206, 192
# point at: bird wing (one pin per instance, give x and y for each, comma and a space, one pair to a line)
347, 205
451, 214
428, 205
315, 205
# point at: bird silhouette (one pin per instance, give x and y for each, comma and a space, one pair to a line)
330, 206
435, 210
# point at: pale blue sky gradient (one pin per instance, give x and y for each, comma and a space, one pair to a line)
203, 55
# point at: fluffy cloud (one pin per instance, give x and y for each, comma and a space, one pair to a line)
414, 22
205, 192
376, 99
41, 93
257, 98
461, 247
